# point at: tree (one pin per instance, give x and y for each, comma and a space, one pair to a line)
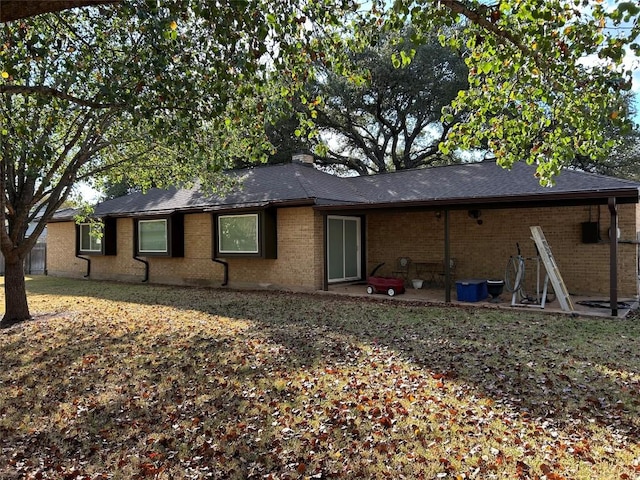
154, 88
541, 74
144, 88
622, 161
17, 9
114, 188
392, 120
282, 136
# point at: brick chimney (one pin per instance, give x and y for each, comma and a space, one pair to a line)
302, 158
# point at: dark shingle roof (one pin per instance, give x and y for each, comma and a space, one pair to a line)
296, 184
482, 181
260, 186
290, 182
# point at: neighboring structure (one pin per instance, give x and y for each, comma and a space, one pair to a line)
36, 261
293, 227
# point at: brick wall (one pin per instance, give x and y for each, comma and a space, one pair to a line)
61, 260
298, 266
482, 251
300, 253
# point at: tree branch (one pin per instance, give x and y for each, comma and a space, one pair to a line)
52, 92
17, 9
460, 8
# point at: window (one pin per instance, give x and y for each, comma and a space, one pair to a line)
162, 236
152, 236
106, 244
251, 234
89, 243
238, 233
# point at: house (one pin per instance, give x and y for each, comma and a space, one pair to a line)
294, 227
35, 262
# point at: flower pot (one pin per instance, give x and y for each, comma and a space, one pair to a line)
417, 283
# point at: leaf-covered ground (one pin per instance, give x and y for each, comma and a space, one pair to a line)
139, 381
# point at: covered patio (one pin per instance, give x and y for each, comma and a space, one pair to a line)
475, 217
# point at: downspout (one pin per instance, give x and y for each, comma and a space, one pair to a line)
135, 251
226, 270
325, 253
613, 257
214, 251
447, 259
88, 260
146, 268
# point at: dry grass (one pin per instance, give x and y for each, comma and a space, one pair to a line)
140, 381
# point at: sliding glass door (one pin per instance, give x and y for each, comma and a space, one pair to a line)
343, 248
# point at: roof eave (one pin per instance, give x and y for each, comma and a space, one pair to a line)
630, 195
622, 196
259, 205
237, 207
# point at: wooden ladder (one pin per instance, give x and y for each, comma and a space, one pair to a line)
551, 267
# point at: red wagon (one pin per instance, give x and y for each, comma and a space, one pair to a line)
389, 285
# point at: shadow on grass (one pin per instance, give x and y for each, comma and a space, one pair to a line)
549, 365
104, 401
191, 384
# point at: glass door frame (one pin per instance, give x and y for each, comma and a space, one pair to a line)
359, 245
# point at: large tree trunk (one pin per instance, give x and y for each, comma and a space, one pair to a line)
15, 292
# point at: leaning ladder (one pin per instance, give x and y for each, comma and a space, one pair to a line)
552, 269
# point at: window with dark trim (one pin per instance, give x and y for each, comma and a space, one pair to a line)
250, 234
90, 244
238, 233
163, 236
153, 237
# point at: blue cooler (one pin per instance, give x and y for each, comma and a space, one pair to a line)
471, 290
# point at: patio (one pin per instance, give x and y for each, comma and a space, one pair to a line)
435, 295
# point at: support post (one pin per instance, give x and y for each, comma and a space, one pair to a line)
447, 259
613, 257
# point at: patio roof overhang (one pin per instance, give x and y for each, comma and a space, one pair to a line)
560, 199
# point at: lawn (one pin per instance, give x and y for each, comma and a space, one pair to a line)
139, 381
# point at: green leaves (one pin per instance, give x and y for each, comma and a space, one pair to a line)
535, 92
402, 59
